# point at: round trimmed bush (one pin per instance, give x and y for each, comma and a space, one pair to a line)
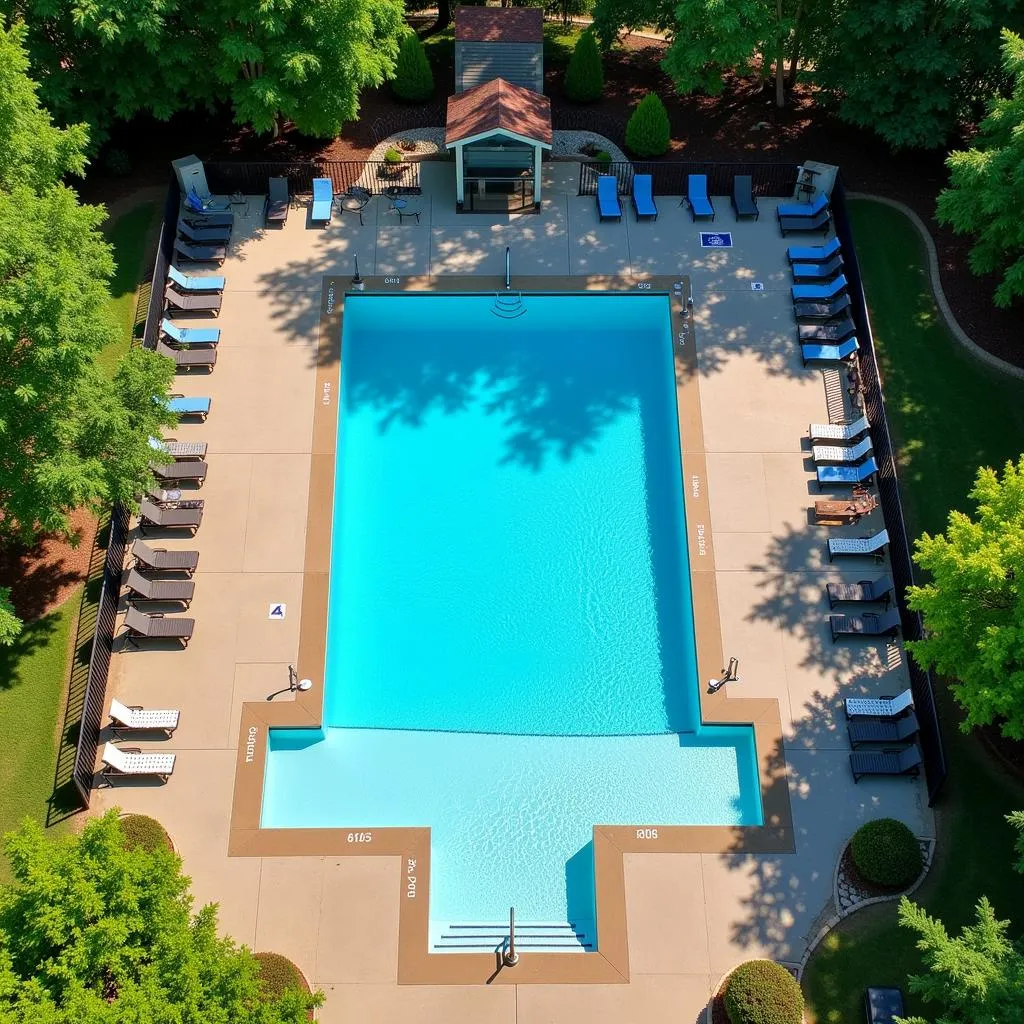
142, 831
584, 77
414, 80
278, 974
648, 130
763, 992
886, 853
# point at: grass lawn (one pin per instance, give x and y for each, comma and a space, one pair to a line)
949, 414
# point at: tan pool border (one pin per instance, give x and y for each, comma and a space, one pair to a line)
416, 966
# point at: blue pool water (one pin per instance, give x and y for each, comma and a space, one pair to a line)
510, 652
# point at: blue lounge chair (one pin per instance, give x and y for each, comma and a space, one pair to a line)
830, 353
182, 406
813, 253
323, 200
848, 475
817, 271
819, 292
697, 196
819, 204
608, 206
643, 196
190, 335
820, 223
204, 203
194, 282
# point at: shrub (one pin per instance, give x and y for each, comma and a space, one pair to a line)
414, 81
763, 992
584, 77
141, 831
392, 156
278, 974
648, 131
886, 853
603, 157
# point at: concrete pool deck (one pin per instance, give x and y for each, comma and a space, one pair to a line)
690, 916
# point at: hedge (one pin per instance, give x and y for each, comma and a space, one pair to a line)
886, 853
139, 830
763, 992
648, 131
278, 974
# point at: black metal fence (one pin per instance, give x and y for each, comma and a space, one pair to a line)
670, 177
99, 657
921, 683
250, 178
158, 276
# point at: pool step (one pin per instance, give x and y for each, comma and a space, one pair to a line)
508, 305
541, 936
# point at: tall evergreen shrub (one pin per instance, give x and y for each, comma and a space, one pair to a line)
414, 80
648, 131
584, 77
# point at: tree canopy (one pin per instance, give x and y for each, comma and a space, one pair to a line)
95, 932
973, 604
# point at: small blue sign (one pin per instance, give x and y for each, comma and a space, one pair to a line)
716, 239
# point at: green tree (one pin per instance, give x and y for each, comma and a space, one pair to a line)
973, 604
584, 77
10, 624
986, 193
648, 130
1016, 819
613, 16
976, 977
94, 931
414, 80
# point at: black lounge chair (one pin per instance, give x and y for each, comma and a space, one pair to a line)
146, 588
141, 626
162, 517
193, 302
275, 211
866, 590
743, 202
868, 624
882, 730
822, 222
161, 560
203, 235
812, 309
191, 470
817, 271
201, 253
836, 330
208, 220
885, 762
187, 358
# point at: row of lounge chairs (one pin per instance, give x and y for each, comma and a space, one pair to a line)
812, 216
821, 303
125, 762
193, 293
608, 205
697, 199
743, 202
883, 720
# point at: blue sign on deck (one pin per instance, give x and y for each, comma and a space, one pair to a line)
716, 239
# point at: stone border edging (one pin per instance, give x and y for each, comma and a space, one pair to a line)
940, 296
840, 914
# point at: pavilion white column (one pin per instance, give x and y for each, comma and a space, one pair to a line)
459, 174
538, 156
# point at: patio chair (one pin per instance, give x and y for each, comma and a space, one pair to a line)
836, 330
160, 559
847, 476
135, 718
183, 406
162, 517
204, 203
275, 209
819, 292
842, 453
403, 204
190, 335
203, 235
207, 218
886, 762
882, 730
140, 626
820, 223
355, 200
829, 353
195, 282
179, 450
643, 196
172, 497
191, 470
697, 196
874, 546
817, 271
880, 590
838, 431
818, 205
193, 302
743, 202
813, 253
323, 201
200, 253
121, 762
187, 358
879, 707
148, 589
608, 206
868, 624
805, 310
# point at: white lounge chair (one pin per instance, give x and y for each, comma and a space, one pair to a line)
858, 545
880, 707
838, 431
842, 453
137, 719
120, 762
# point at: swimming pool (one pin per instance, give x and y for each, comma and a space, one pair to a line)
510, 651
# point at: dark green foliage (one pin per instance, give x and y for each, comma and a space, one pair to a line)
648, 131
414, 80
392, 156
278, 974
763, 992
143, 832
886, 853
603, 157
584, 77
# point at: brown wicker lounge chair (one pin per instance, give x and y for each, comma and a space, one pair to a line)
161, 559
198, 302
190, 470
145, 588
140, 626
162, 517
186, 358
